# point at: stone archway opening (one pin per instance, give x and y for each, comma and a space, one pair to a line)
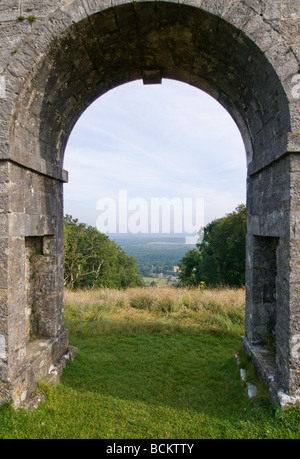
81, 51
168, 141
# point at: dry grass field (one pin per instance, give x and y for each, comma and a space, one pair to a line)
209, 308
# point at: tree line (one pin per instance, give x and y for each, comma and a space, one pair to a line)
93, 260
220, 258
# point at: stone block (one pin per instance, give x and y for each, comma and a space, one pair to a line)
9, 10
265, 8
290, 31
93, 6
290, 8
38, 9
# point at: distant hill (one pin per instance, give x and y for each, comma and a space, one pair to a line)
154, 253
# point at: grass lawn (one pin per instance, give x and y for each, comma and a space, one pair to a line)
153, 364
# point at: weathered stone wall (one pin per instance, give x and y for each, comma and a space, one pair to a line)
32, 273
56, 57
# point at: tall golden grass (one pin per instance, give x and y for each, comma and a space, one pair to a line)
221, 308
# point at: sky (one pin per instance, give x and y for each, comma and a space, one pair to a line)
140, 143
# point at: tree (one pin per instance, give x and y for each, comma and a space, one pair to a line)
93, 260
73, 232
189, 267
220, 258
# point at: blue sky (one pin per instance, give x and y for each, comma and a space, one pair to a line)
155, 141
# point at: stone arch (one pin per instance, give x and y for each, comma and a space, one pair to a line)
121, 44
236, 52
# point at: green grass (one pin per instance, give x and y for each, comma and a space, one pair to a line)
152, 372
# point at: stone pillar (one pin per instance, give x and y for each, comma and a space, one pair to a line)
272, 273
32, 336
5, 313
291, 358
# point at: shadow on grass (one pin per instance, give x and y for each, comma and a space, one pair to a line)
179, 367
134, 380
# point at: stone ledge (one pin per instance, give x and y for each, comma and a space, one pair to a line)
53, 377
265, 366
55, 371
263, 362
46, 359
